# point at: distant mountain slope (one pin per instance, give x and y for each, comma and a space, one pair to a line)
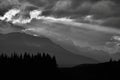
22, 42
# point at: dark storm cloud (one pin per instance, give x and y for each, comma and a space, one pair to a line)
112, 22
79, 6
62, 5
101, 9
107, 10
97, 8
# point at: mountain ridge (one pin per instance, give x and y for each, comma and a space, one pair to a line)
23, 41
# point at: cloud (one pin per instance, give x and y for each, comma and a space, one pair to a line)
84, 8
43, 3
112, 22
78, 8
102, 8
14, 4
9, 2
62, 5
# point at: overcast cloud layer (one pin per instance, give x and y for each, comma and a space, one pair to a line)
105, 10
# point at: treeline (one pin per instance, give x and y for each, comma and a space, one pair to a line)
46, 65
27, 59
100, 71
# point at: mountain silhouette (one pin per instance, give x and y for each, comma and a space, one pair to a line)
47, 66
21, 42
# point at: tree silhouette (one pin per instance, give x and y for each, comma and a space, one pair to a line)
44, 60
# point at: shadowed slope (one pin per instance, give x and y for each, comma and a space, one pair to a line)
22, 42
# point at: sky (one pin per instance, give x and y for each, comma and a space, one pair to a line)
107, 10
94, 24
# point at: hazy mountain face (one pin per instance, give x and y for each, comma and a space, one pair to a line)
93, 27
20, 42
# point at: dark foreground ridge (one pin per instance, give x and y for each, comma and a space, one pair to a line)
47, 66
